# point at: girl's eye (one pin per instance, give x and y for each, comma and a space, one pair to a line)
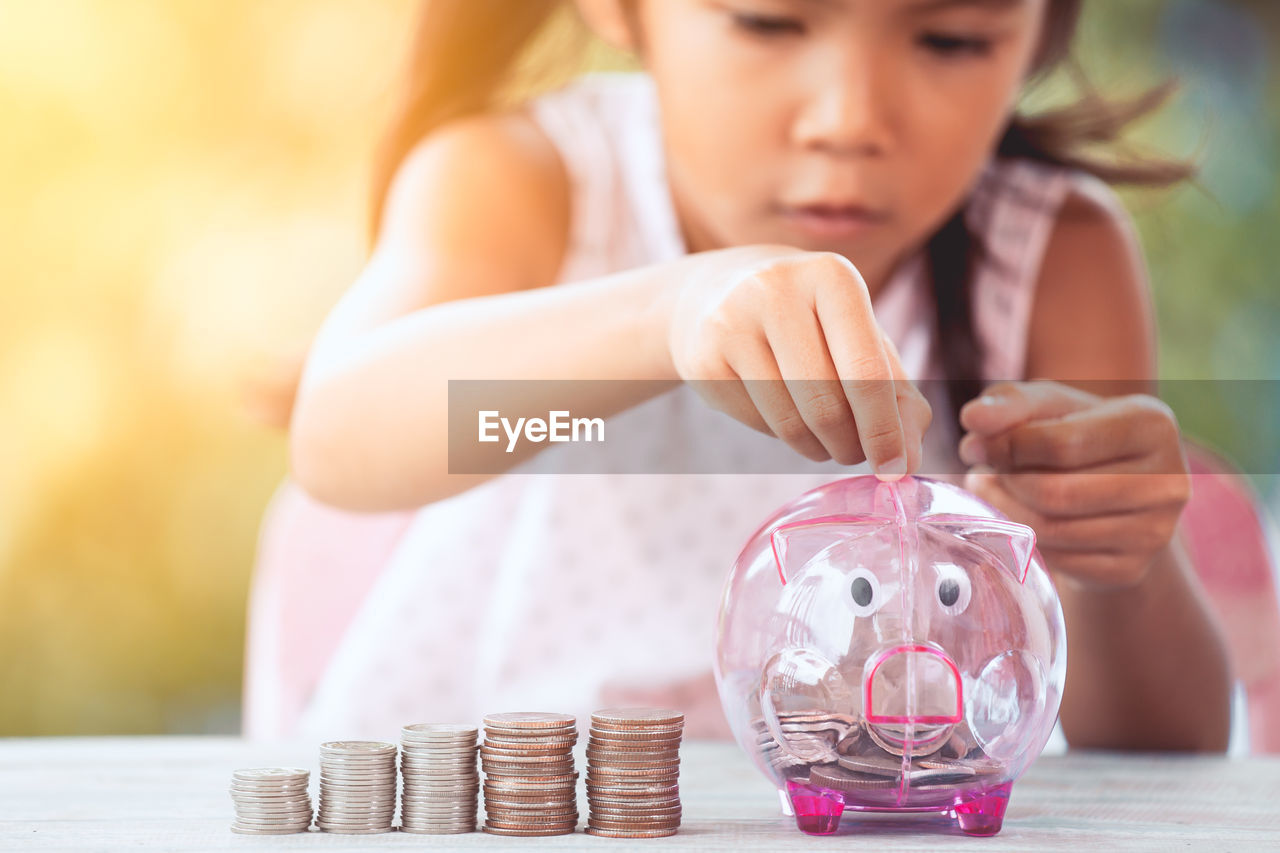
765, 25
953, 589
951, 46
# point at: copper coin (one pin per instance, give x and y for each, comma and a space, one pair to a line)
640, 833
528, 833
633, 827
625, 745
627, 814
529, 750
617, 769
625, 760
620, 729
522, 783
609, 799
632, 734
638, 790
517, 758
530, 720
532, 818
846, 780
638, 716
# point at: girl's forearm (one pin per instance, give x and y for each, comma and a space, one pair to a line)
370, 428
1146, 666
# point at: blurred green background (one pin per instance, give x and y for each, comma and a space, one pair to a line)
183, 196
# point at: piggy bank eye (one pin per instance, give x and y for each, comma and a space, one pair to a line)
864, 592
953, 589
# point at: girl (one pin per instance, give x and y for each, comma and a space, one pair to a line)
804, 200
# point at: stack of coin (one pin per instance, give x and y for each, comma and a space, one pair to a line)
530, 785
271, 801
438, 766
633, 771
357, 787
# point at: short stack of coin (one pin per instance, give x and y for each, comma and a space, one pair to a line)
357, 787
271, 801
633, 772
530, 785
440, 780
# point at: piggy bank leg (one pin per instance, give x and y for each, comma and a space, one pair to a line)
817, 810
984, 813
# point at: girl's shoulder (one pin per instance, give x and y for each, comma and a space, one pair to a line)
1093, 316
1052, 239
487, 185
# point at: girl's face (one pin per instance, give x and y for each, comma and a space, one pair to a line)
853, 126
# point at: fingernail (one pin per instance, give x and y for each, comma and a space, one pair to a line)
991, 400
893, 469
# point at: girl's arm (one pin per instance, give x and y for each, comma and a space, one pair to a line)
1097, 470
476, 226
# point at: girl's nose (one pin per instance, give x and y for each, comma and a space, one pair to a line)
848, 113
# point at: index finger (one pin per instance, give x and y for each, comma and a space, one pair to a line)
1107, 433
866, 375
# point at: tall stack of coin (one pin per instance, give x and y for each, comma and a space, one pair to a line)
271, 801
633, 772
530, 785
441, 783
357, 787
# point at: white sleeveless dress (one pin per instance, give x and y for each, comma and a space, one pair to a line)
566, 593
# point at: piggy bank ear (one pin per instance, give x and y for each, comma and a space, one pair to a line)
795, 544
1012, 544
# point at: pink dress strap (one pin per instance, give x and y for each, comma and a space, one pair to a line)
1014, 208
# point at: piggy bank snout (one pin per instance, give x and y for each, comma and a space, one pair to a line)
913, 684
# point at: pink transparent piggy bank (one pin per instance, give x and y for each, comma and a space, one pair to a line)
891, 647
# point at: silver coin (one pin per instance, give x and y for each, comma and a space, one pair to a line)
356, 746
439, 730
357, 769
255, 820
266, 789
280, 830
440, 778
272, 774
469, 767
441, 748
355, 816
244, 796
411, 787
442, 807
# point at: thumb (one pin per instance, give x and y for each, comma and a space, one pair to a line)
1005, 405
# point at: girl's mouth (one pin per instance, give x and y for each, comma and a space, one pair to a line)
833, 221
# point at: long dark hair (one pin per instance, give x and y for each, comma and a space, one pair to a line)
472, 56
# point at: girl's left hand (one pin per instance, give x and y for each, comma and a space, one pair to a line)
1101, 480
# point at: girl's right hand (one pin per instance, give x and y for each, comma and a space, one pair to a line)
793, 349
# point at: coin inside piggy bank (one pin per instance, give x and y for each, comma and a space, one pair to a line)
891, 647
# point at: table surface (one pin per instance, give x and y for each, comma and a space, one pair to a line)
171, 794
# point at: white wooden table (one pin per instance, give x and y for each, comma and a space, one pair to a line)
171, 794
